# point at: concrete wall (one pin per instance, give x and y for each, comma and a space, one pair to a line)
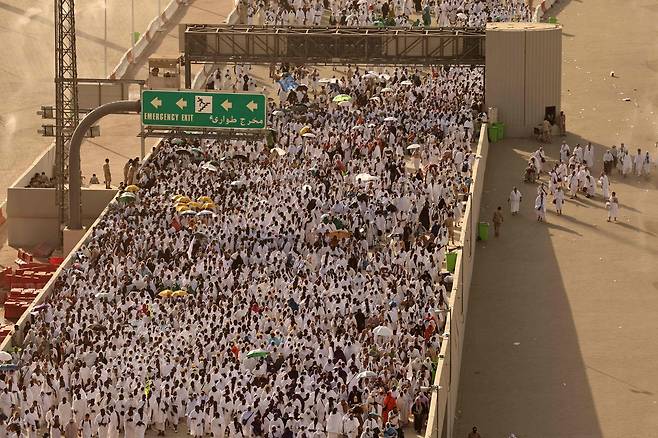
523, 73
32, 214
444, 399
44, 163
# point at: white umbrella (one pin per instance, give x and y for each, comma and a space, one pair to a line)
390, 119
277, 112
102, 295
371, 125
280, 152
382, 331
365, 375
237, 183
387, 90
375, 98
413, 146
205, 213
4, 356
309, 135
366, 177
407, 82
357, 127
210, 167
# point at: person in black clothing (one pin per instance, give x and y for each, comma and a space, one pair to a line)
385, 9
360, 320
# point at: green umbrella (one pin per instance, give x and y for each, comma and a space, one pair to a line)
127, 197
257, 353
342, 98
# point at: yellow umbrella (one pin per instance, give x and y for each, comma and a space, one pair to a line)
182, 207
165, 293
180, 294
175, 198
195, 205
339, 234
205, 199
304, 130
209, 206
132, 188
184, 199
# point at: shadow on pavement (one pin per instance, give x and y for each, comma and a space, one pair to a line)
538, 387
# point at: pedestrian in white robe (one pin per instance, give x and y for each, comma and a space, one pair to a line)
605, 185
540, 207
627, 164
646, 165
559, 200
638, 162
514, 200
613, 207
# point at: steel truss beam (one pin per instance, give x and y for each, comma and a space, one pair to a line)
326, 46
66, 97
213, 134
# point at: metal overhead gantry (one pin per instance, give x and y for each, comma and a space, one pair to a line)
202, 44
66, 97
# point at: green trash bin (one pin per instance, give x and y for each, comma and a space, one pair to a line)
552, 20
500, 130
451, 261
483, 230
493, 133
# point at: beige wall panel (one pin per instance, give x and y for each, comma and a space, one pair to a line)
505, 76
543, 74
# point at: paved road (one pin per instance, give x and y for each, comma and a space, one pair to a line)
579, 294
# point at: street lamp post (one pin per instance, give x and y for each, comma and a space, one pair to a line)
105, 37
132, 23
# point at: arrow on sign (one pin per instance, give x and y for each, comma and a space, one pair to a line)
253, 106
182, 103
227, 105
156, 103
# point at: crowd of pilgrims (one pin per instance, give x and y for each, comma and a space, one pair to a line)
313, 301
437, 13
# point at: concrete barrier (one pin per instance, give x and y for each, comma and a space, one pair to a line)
446, 381
132, 55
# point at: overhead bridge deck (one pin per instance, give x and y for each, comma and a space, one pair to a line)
327, 46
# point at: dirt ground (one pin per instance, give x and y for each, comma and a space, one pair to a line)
26, 79
561, 328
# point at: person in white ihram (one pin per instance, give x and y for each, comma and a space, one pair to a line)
514, 200
613, 207
605, 185
540, 207
558, 200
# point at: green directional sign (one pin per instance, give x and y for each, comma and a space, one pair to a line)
201, 109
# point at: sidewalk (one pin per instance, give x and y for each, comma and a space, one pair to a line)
560, 339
